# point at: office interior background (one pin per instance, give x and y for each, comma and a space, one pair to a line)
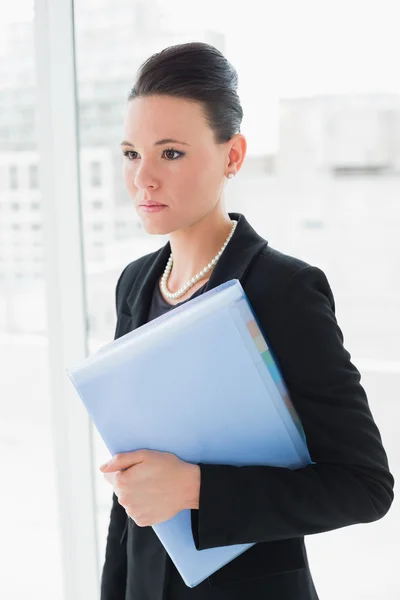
320, 91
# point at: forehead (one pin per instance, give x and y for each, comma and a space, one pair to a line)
156, 117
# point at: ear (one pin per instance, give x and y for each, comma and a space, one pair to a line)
236, 149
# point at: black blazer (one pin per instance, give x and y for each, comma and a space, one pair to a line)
276, 507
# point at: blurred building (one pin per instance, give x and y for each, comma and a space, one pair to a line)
340, 135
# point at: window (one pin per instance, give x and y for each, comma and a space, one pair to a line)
13, 175
288, 189
97, 204
95, 174
98, 226
25, 405
33, 177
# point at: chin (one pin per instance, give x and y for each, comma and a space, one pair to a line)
154, 228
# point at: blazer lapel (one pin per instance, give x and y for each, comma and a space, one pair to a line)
239, 254
234, 263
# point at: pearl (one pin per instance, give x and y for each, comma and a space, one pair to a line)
196, 277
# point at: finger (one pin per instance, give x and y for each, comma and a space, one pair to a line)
123, 461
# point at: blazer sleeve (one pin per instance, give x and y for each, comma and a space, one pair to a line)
350, 482
113, 579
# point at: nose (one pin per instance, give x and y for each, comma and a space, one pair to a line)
144, 176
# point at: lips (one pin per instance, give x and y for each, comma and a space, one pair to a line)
152, 208
151, 204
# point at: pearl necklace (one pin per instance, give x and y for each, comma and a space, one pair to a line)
197, 277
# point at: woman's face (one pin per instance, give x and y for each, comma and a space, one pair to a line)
185, 175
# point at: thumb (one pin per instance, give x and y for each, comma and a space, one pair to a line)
122, 461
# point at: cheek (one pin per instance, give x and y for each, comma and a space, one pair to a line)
128, 176
192, 175
208, 176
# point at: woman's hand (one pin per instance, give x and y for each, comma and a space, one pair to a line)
153, 486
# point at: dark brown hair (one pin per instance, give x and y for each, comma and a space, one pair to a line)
196, 71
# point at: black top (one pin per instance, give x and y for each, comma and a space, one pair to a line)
174, 584
159, 305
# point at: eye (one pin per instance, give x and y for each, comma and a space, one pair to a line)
128, 154
171, 150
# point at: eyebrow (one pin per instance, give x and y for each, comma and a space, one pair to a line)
159, 143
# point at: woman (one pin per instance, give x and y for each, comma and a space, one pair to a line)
181, 142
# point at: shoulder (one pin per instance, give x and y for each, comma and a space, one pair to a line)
128, 276
276, 275
295, 307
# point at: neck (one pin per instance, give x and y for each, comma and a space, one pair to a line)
193, 248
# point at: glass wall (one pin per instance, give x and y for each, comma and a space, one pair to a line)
29, 542
321, 181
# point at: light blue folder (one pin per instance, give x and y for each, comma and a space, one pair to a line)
200, 382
